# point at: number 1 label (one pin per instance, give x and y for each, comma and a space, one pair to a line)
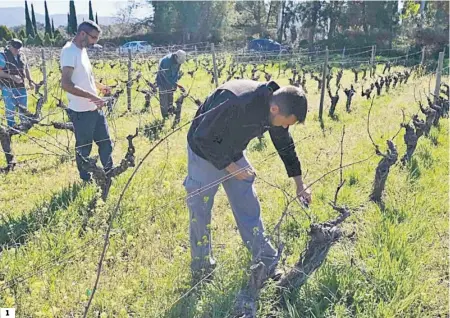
7, 312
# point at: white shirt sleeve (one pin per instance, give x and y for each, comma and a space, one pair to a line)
68, 58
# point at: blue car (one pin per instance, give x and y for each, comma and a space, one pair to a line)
266, 45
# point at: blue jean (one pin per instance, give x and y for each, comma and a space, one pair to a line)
12, 97
89, 127
201, 185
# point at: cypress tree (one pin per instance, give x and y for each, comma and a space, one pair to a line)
48, 26
22, 35
33, 19
28, 26
69, 31
96, 18
53, 27
73, 17
91, 13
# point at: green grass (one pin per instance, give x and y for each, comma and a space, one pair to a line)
395, 265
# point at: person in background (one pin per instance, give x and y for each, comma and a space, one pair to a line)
167, 78
13, 72
231, 116
85, 106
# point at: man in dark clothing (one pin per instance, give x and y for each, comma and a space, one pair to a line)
167, 78
13, 71
231, 116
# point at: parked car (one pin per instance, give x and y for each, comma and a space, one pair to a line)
267, 46
135, 47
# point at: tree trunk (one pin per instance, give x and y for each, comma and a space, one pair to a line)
268, 15
281, 22
322, 237
382, 172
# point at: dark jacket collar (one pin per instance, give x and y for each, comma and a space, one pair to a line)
272, 86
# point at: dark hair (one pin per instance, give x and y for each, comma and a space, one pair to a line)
292, 101
88, 26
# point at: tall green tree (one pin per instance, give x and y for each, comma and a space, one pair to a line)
252, 16
69, 30
47, 40
163, 16
22, 35
289, 15
28, 25
191, 21
430, 29
48, 26
53, 27
333, 11
368, 22
73, 17
91, 13
5, 33
96, 18
33, 19
38, 40
312, 17
212, 25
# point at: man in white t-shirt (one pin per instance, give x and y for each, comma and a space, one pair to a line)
85, 106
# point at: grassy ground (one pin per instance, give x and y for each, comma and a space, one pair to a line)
395, 265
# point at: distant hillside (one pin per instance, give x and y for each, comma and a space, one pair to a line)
16, 16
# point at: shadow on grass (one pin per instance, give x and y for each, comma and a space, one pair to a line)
14, 232
413, 169
153, 130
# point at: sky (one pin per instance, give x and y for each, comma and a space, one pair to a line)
105, 8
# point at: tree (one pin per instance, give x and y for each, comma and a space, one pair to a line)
5, 33
48, 26
289, 15
189, 14
28, 26
431, 28
28, 41
91, 13
22, 35
252, 17
48, 40
163, 17
213, 21
58, 39
96, 18
73, 17
333, 12
33, 19
311, 16
366, 22
69, 30
187, 21
53, 28
38, 40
